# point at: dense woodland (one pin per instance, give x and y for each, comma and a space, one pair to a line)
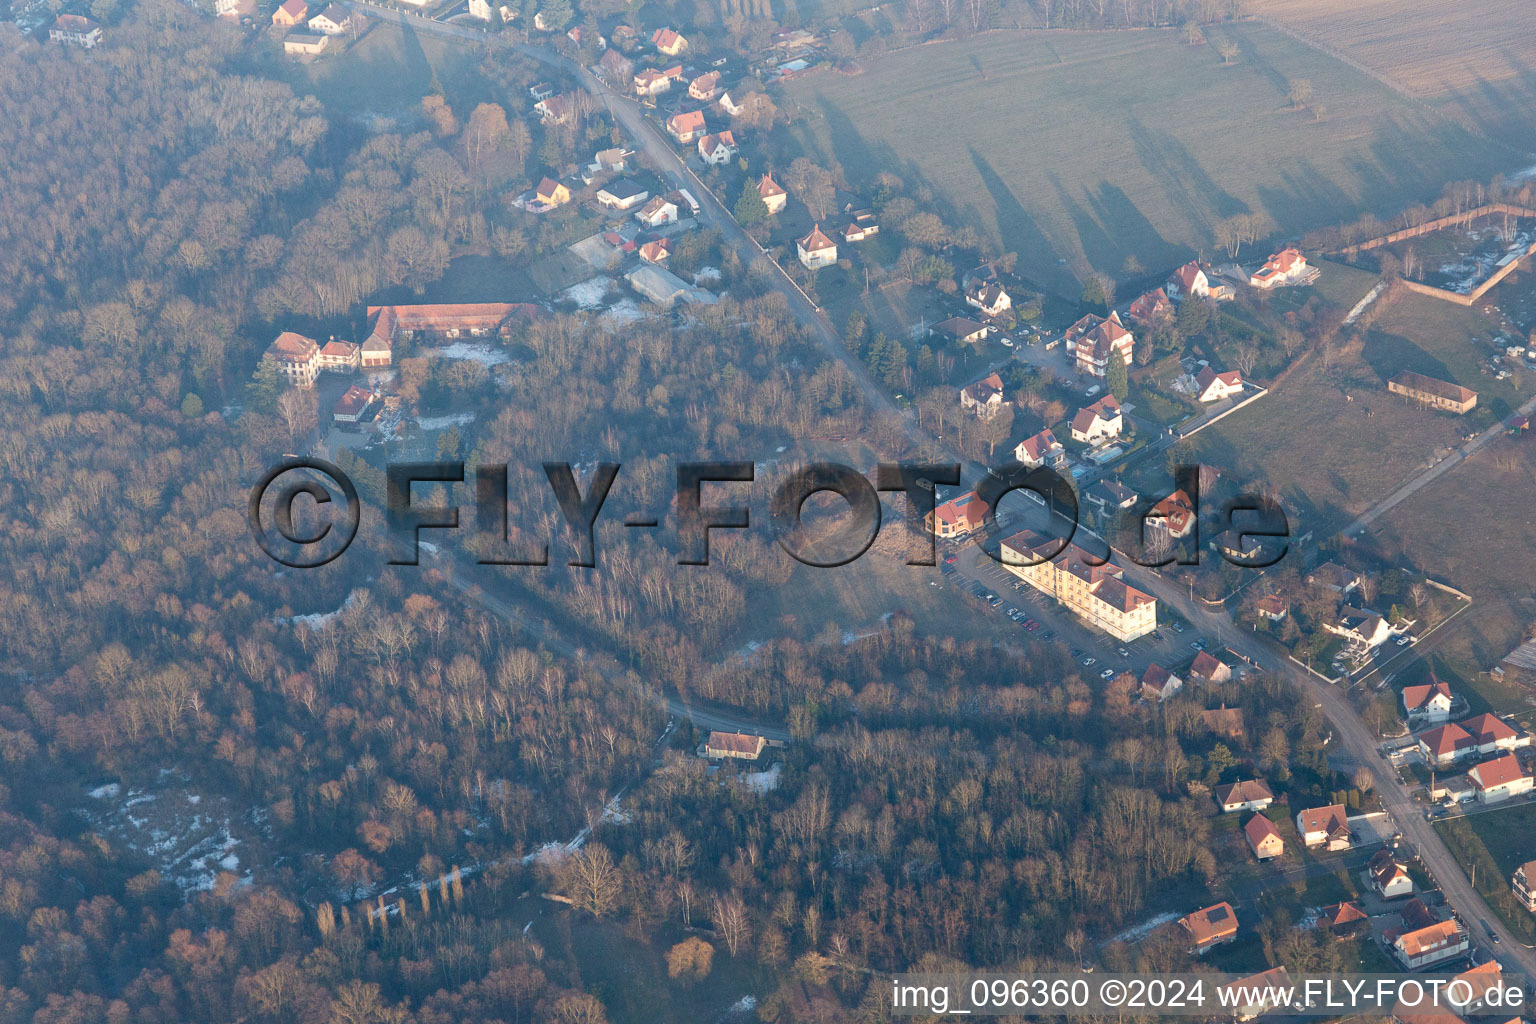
167, 210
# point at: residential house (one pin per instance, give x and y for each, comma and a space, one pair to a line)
578, 34
1288, 266
1436, 943
730, 105
989, 297
657, 212
1492, 734
1524, 883
615, 66
656, 252
1209, 670
551, 193
651, 82
1263, 838
1211, 386
1110, 496
541, 91
861, 227
1189, 281
1363, 628
1149, 308
1090, 587
1272, 607
687, 126
1247, 795
1041, 449
234, 10
335, 20
958, 516
622, 194
668, 42
1336, 578
1451, 789
774, 196
1344, 918
305, 43
1326, 827
1388, 876
290, 13
1174, 515
1445, 744
1429, 702
1102, 421
718, 148
705, 86
615, 160
447, 320
1499, 779
1256, 994
1158, 684
297, 357
354, 404
78, 30
1092, 341
1437, 394
1210, 927
743, 746
339, 357
960, 329
557, 110
816, 249
985, 397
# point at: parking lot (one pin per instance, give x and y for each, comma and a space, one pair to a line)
1042, 620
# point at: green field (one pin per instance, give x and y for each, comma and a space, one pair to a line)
1095, 146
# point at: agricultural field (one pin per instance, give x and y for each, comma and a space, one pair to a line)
1476, 57
1077, 150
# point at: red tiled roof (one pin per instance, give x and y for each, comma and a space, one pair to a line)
1258, 829
1341, 914
736, 742
1500, 771
1246, 791
768, 188
293, 347
968, 509
1415, 697
1212, 923
1445, 739
816, 242
1487, 728
1040, 445
1323, 819
689, 121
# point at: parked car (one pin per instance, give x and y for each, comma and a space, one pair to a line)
1403, 640
1034, 626
1108, 673
1048, 635
1178, 628
1124, 653
1090, 661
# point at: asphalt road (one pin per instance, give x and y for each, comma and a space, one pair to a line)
1350, 731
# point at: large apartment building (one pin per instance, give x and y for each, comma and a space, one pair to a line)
1091, 588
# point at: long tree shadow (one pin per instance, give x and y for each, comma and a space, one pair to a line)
1191, 191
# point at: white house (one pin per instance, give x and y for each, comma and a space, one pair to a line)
1388, 877
75, 30
1189, 281
1288, 266
1361, 627
1492, 734
1158, 684
1211, 386
622, 194
1327, 827
774, 196
718, 148
730, 106
989, 297
1499, 779
816, 249
1040, 450
657, 212
1094, 340
335, 20
1248, 795
1099, 422
1429, 703
985, 397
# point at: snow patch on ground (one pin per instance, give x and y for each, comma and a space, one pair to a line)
485, 355
1146, 928
457, 419
184, 836
318, 620
589, 294
106, 792
706, 274
762, 782
625, 311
